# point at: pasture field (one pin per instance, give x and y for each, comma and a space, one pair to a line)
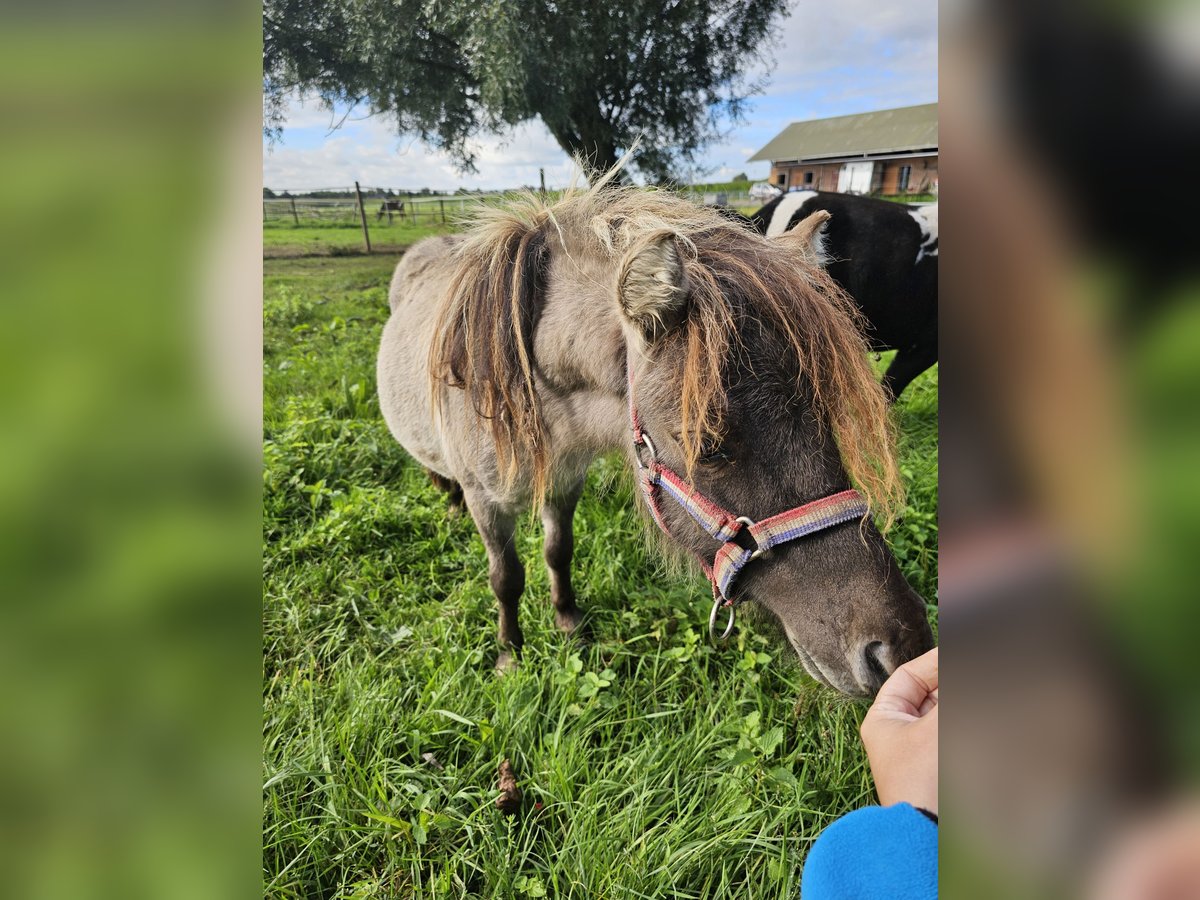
338, 232
652, 764
341, 238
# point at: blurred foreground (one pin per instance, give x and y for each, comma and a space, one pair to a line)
1071, 430
129, 520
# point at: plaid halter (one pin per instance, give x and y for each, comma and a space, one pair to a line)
742, 539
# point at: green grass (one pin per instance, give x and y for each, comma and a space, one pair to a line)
342, 238
910, 198
652, 764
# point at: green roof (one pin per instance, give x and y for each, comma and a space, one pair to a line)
910, 128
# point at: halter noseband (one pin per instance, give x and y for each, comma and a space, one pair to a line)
734, 532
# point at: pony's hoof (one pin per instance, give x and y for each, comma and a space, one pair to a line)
571, 622
506, 662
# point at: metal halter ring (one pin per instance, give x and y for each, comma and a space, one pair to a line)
750, 523
712, 622
644, 440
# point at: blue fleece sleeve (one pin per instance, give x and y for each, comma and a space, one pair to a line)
877, 851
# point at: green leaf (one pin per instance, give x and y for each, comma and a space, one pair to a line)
739, 805
779, 868
770, 739
530, 885
389, 820
783, 777
455, 716
362, 890
750, 724
741, 757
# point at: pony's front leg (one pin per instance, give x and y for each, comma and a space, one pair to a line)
505, 572
558, 515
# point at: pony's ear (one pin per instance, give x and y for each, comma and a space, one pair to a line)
652, 287
807, 239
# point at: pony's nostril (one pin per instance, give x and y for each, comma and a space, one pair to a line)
877, 656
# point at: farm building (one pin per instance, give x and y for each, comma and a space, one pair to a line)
892, 151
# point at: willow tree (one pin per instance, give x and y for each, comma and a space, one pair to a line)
598, 74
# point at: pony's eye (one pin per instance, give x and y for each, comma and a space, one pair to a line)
713, 457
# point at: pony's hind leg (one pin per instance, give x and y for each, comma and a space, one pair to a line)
453, 489
557, 517
505, 572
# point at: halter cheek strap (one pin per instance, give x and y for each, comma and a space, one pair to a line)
742, 540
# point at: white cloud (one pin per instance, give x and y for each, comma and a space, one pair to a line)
308, 113
826, 41
369, 150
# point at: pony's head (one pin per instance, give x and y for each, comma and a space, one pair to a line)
751, 377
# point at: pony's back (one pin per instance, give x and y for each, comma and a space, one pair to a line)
417, 262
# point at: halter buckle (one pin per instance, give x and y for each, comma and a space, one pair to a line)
718, 602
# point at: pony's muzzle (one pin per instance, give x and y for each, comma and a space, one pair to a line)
873, 661
871, 664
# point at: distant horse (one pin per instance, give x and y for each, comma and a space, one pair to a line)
389, 207
885, 255
730, 373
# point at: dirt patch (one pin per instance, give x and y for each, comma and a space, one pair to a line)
509, 800
298, 251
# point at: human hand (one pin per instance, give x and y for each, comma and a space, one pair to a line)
1156, 858
900, 733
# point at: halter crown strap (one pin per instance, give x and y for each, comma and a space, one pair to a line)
658, 480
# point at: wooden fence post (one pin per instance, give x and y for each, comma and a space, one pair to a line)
362, 214
295, 216
442, 207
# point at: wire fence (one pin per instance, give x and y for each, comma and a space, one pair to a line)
373, 207
341, 205
308, 210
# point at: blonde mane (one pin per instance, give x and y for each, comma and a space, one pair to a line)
484, 340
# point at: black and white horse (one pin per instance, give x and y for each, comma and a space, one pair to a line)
885, 255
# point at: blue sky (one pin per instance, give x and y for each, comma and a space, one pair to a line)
832, 59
